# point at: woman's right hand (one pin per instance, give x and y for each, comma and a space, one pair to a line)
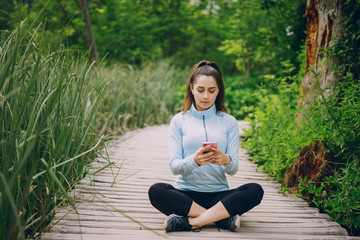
202, 157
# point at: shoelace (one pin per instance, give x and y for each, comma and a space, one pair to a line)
196, 228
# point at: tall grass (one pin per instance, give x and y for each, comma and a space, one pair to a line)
55, 109
139, 97
47, 109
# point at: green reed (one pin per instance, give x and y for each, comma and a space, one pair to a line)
55, 110
137, 98
48, 103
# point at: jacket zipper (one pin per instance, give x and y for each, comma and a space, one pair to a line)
206, 136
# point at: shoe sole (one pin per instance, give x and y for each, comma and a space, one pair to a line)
237, 223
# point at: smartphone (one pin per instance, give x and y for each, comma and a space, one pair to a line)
211, 144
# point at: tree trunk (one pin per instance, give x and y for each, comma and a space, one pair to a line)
247, 76
91, 44
324, 27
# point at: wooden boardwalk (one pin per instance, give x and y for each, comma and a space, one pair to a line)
113, 203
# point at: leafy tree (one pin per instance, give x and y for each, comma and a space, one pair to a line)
204, 32
262, 36
255, 36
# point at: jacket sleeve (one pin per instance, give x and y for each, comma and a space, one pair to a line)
178, 164
232, 147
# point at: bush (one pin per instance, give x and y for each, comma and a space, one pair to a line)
275, 140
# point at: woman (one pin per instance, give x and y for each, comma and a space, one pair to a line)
201, 193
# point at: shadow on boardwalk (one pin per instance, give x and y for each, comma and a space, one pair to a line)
113, 204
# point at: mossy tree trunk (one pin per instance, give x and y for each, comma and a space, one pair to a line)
324, 27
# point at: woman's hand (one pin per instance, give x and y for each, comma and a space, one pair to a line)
220, 158
204, 155
207, 155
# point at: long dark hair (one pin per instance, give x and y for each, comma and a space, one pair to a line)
206, 68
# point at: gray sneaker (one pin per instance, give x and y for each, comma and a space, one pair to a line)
176, 223
231, 223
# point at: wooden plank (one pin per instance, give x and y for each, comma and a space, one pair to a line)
114, 203
129, 234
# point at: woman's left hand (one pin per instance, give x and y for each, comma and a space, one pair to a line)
220, 158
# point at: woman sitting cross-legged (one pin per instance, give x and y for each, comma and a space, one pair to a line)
201, 194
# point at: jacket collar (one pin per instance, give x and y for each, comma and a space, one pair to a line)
207, 113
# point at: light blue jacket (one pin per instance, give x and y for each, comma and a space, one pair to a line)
186, 133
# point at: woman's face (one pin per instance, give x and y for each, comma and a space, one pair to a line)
205, 91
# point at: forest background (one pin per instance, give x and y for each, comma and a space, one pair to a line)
55, 90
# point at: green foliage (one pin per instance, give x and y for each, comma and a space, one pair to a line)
178, 97
264, 34
338, 196
47, 107
188, 31
55, 110
275, 141
241, 101
7, 6
139, 97
342, 202
337, 118
275, 138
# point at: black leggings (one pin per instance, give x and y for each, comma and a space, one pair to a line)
168, 199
